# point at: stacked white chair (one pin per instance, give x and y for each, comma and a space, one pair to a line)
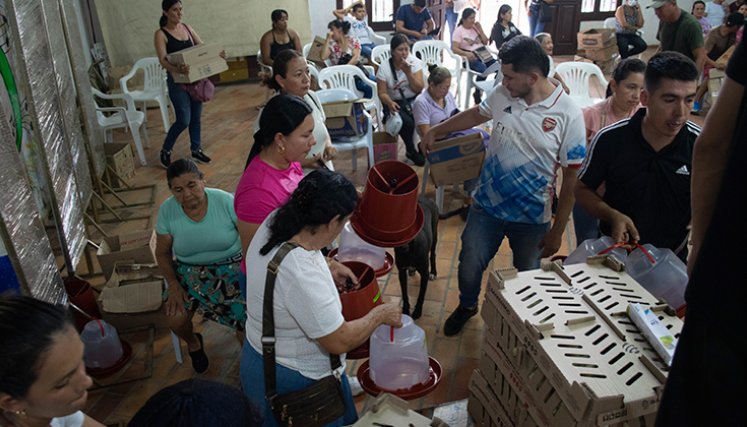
438, 52
154, 86
343, 77
577, 76
122, 117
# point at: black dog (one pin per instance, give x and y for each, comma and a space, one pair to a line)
417, 254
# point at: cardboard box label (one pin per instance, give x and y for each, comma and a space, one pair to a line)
385, 147
596, 38
457, 159
201, 53
201, 71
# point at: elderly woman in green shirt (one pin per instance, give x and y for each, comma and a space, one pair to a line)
199, 254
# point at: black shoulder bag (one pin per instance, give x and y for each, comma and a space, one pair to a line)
317, 404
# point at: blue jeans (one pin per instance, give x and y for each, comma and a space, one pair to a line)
481, 238
535, 26
451, 19
585, 225
366, 49
288, 380
188, 112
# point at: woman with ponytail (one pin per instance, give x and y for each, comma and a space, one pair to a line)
290, 76
273, 169
172, 36
308, 312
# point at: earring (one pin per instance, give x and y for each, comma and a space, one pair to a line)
21, 412
281, 149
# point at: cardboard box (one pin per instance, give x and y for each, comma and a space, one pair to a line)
201, 71
195, 55
456, 160
726, 56
603, 54
121, 160
385, 147
133, 288
315, 52
138, 248
596, 38
345, 119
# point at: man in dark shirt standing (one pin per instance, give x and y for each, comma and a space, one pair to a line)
679, 31
645, 162
414, 20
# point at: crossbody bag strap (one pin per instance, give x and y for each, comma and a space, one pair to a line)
268, 323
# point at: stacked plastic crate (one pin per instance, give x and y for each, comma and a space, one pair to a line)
560, 349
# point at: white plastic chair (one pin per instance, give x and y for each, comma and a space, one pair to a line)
492, 74
262, 66
577, 77
439, 52
154, 87
365, 141
313, 71
378, 40
122, 117
380, 54
342, 76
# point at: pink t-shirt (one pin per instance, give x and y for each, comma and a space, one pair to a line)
600, 115
262, 189
467, 39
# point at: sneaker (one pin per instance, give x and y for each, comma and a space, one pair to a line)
458, 318
200, 360
200, 156
355, 386
696, 108
417, 158
165, 158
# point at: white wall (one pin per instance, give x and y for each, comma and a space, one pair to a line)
650, 21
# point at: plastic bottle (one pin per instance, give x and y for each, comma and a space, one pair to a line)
399, 356
665, 278
593, 247
102, 345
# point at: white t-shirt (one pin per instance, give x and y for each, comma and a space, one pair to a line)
73, 420
716, 13
360, 30
385, 74
306, 305
526, 147
552, 66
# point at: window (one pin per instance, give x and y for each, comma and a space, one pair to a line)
380, 12
593, 10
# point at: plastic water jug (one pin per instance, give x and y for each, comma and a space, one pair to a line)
593, 247
353, 248
665, 278
399, 356
102, 345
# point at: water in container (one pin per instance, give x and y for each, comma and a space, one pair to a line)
593, 247
399, 356
353, 248
665, 278
102, 345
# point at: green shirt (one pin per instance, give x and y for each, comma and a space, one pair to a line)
213, 239
683, 35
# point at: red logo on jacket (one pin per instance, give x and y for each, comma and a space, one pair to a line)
548, 124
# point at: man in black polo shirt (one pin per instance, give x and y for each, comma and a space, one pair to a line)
645, 162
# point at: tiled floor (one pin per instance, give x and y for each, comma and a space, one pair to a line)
227, 138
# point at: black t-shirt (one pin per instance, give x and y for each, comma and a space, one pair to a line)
652, 188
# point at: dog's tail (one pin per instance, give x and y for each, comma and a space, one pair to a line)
458, 211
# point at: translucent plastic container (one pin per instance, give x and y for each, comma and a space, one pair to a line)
102, 345
402, 363
592, 247
666, 278
353, 248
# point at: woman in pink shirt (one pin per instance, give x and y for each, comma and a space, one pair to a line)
273, 168
623, 99
467, 38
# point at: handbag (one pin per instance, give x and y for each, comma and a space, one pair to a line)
313, 406
201, 90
